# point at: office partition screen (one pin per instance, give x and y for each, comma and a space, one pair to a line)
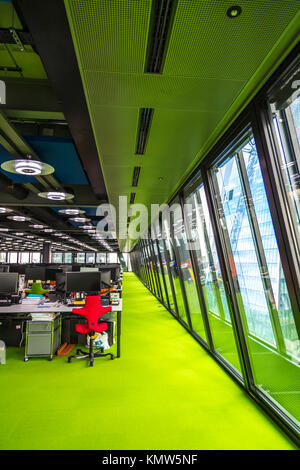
227, 259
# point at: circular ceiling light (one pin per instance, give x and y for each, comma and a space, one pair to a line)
71, 211
48, 230
79, 219
27, 167
234, 11
56, 195
18, 218
4, 210
86, 227
37, 226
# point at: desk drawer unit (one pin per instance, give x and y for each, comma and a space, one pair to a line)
42, 338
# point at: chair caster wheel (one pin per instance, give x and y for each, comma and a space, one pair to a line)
50, 358
91, 364
112, 357
69, 359
25, 359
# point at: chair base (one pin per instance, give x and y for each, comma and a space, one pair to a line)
85, 354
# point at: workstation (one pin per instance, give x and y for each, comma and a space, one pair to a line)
36, 308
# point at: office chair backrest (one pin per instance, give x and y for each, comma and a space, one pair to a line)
92, 310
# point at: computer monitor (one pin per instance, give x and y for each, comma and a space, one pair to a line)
83, 282
51, 273
4, 269
105, 278
17, 268
9, 283
35, 274
115, 271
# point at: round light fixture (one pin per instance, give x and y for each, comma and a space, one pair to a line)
48, 230
37, 226
27, 167
79, 219
18, 218
71, 211
234, 11
56, 195
4, 210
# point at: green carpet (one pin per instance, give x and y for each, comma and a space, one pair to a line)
165, 392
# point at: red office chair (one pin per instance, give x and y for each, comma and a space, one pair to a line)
92, 310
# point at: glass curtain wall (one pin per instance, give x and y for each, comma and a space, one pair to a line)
256, 268
228, 259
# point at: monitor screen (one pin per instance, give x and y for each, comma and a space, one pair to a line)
51, 273
83, 282
9, 283
105, 278
35, 274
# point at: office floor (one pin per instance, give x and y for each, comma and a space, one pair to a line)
165, 392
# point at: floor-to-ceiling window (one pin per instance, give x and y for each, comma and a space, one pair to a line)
211, 279
182, 247
230, 255
173, 267
256, 268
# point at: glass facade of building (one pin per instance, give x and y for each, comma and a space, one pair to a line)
225, 261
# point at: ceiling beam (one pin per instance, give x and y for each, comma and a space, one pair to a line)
48, 25
30, 95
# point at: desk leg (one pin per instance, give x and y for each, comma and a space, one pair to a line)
119, 334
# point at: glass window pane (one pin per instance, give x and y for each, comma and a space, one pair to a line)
36, 257
286, 119
211, 277
57, 257
112, 258
90, 257
180, 239
3, 257
164, 266
159, 272
13, 257
80, 258
24, 257
101, 258
68, 258
174, 269
261, 289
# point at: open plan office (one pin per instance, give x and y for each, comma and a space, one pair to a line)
149, 227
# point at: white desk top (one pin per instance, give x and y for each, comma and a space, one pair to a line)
19, 308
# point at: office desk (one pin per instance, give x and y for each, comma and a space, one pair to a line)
21, 312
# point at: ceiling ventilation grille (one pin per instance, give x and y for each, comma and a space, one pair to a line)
160, 27
143, 130
136, 174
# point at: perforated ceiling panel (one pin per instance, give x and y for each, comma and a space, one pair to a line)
209, 60
220, 47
